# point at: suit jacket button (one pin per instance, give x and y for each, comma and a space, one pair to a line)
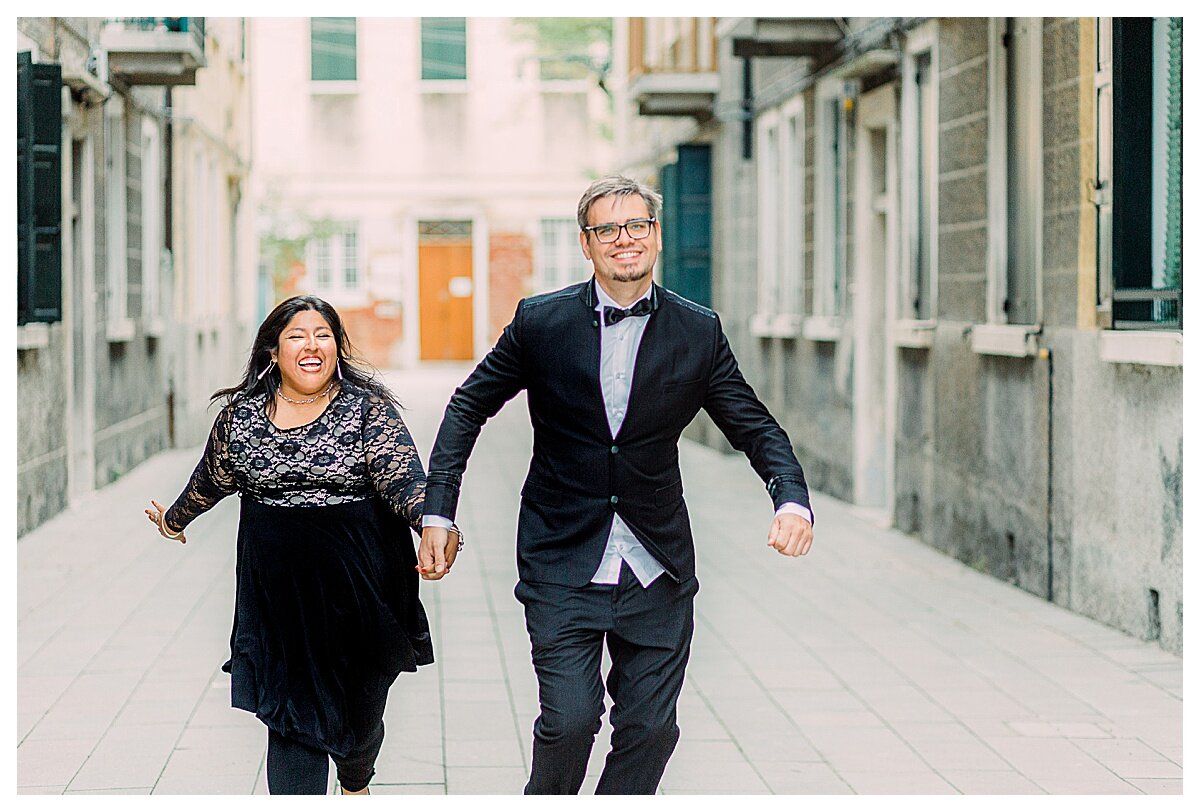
613, 500
614, 450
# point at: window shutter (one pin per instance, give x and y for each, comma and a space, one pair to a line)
1173, 256
39, 191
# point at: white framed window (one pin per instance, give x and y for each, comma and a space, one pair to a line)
199, 238
118, 326
152, 226
559, 260
335, 264
443, 52
780, 136
917, 295
1139, 198
1014, 266
831, 178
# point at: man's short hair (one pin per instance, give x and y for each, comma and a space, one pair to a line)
618, 186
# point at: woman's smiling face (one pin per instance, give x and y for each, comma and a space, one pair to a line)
306, 353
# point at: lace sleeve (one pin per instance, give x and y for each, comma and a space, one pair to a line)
392, 461
212, 480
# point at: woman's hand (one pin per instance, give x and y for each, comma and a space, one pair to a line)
439, 547
155, 514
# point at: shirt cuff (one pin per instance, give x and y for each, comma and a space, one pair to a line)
440, 521
796, 508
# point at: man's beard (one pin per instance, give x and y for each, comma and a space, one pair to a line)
632, 275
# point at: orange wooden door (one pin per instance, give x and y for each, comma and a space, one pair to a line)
447, 296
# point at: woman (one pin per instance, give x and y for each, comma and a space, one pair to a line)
327, 612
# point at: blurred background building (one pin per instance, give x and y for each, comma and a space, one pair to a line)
422, 173
135, 258
967, 315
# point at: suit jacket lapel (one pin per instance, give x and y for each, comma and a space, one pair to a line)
593, 400
645, 365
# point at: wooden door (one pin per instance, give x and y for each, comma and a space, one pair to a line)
446, 291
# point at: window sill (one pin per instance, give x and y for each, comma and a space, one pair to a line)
155, 327
823, 328
1142, 347
1012, 340
333, 87
119, 331
35, 336
775, 325
913, 334
442, 86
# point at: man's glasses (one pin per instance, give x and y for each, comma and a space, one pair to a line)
608, 232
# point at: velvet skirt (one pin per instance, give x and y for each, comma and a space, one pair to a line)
327, 615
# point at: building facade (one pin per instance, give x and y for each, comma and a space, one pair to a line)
423, 172
967, 315
115, 239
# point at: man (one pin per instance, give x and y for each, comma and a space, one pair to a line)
614, 369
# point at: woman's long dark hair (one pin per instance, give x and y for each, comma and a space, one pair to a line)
354, 371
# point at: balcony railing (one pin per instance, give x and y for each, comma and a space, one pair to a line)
154, 50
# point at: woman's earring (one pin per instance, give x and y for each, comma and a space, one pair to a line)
263, 374
337, 365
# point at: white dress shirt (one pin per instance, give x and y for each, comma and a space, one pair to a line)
618, 352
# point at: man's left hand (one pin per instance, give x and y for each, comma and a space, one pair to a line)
790, 534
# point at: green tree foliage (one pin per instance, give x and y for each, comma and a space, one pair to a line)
569, 47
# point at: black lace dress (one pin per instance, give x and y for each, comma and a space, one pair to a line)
327, 612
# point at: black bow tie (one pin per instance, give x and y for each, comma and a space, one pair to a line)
612, 315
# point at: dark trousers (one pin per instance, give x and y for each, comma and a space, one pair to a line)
297, 768
649, 633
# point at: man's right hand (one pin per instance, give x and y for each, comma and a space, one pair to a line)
439, 547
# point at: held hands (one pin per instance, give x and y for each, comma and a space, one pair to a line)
790, 534
439, 548
155, 515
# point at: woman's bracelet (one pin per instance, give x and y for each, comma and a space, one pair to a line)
162, 526
454, 529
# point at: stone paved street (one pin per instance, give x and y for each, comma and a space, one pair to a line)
875, 665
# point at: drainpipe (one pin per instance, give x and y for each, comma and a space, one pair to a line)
1048, 357
747, 109
169, 239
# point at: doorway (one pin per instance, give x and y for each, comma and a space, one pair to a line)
874, 276
80, 315
446, 282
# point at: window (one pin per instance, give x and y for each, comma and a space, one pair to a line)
200, 238
918, 263
335, 264
1139, 113
116, 221
560, 262
780, 220
39, 191
1014, 170
443, 48
334, 46
834, 99
152, 212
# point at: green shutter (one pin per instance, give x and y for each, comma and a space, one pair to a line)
443, 47
39, 191
334, 42
687, 224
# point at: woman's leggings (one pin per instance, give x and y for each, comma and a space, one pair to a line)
294, 768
